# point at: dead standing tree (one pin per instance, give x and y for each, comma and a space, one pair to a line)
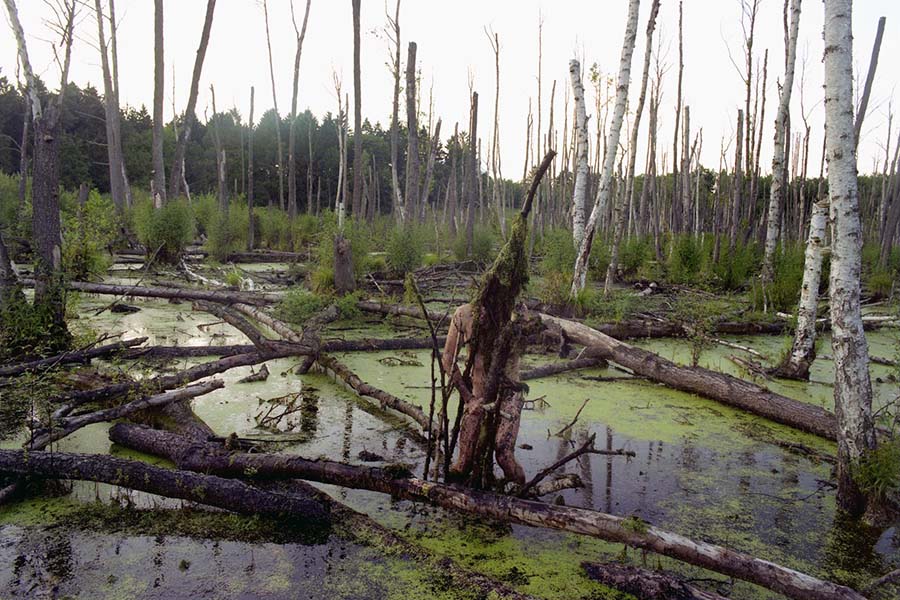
487, 326
49, 299
412, 132
158, 183
278, 142
579, 278
357, 118
582, 172
393, 34
292, 131
177, 177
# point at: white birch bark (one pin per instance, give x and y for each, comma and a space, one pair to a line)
777, 192
628, 198
579, 278
852, 384
579, 196
803, 349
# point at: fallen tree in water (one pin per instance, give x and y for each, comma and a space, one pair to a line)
630, 531
169, 293
703, 382
70, 357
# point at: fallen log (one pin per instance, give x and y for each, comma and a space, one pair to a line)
645, 584
229, 494
703, 382
400, 310
280, 327
178, 293
71, 357
340, 371
630, 531
562, 367
268, 256
66, 426
261, 375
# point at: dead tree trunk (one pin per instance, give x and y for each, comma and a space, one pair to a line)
184, 135
278, 143
504, 508
603, 193
703, 382
393, 33
357, 117
645, 584
737, 183
251, 231
472, 174
159, 75
220, 157
582, 172
82, 356
292, 133
852, 385
412, 132
117, 180
628, 197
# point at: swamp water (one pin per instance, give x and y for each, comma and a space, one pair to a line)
701, 469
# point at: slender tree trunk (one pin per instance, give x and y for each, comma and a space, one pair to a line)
852, 385
10, 293
292, 133
398, 207
412, 132
177, 176
582, 171
117, 124
737, 185
429, 166
357, 116
676, 226
309, 167
280, 146
628, 198
472, 179
23, 158
870, 78
495, 142
581, 262
159, 165
251, 233
220, 156
111, 111
777, 193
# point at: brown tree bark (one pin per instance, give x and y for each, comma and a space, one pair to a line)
472, 172
292, 133
412, 132
251, 231
159, 75
357, 116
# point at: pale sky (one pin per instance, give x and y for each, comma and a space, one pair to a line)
452, 47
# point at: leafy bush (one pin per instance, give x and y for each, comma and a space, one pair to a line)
404, 250
233, 279
303, 231
783, 293
878, 472
88, 235
359, 244
554, 287
634, 254
168, 229
880, 282
205, 209
598, 261
735, 267
482, 245
298, 306
686, 260
227, 232
274, 228
558, 253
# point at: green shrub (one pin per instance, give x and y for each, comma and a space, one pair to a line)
205, 209
375, 264
686, 260
322, 280
227, 232
233, 279
558, 253
880, 282
88, 235
430, 259
634, 254
274, 229
359, 244
735, 267
783, 293
554, 287
404, 250
304, 231
598, 261
168, 229
482, 245
878, 472
298, 306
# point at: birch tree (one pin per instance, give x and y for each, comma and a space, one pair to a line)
852, 384
579, 278
582, 174
777, 192
177, 177
159, 76
628, 197
292, 132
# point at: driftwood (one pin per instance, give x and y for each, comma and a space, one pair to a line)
66, 426
645, 584
171, 293
340, 371
562, 367
703, 382
210, 490
260, 375
497, 506
71, 357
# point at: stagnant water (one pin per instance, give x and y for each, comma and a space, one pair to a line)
701, 469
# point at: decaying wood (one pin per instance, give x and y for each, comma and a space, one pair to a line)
562, 367
66, 426
170, 293
261, 375
645, 584
703, 382
71, 357
210, 490
497, 506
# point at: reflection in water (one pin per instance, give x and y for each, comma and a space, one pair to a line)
309, 413
850, 555
348, 430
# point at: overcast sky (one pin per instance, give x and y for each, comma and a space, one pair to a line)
453, 47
